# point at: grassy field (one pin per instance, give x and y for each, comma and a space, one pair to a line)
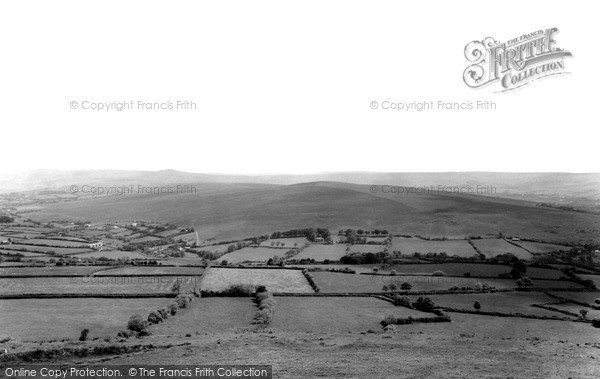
39, 241
321, 252
24, 320
366, 248
287, 242
409, 246
542, 248
334, 314
252, 254
497, 246
585, 297
209, 315
218, 279
512, 302
44, 249
338, 282
112, 254
140, 270
23, 253
94, 285
49, 270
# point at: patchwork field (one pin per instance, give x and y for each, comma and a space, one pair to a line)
53, 242
94, 285
209, 315
155, 270
366, 248
65, 318
354, 283
45, 249
542, 248
512, 302
409, 246
111, 254
50, 270
335, 314
321, 252
585, 297
287, 242
497, 246
219, 279
252, 254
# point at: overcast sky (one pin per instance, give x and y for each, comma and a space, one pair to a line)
286, 87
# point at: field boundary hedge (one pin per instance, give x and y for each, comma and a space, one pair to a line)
85, 295
501, 314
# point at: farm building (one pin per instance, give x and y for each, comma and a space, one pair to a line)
95, 245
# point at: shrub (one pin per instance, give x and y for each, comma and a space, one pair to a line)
124, 334
266, 307
136, 324
183, 301
583, 313
393, 287
263, 316
84, 335
477, 305
597, 301
406, 286
402, 301
596, 323
424, 304
155, 317
385, 288
393, 272
438, 273
164, 313
173, 308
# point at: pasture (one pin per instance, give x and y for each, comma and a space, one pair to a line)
95, 285
209, 315
152, 270
334, 314
285, 242
410, 246
504, 302
111, 254
48, 319
542, 248
50, 270
322, 252
252, 254
497, 246
366, 248
219, 279
332, 282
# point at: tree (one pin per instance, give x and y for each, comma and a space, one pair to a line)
385, 288
176, 287
393, 287
476, 305
84, 335
406, 286
136, 324
583, 313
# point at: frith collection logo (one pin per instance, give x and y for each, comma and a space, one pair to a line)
515, 63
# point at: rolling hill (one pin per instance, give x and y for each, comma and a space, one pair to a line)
228, 211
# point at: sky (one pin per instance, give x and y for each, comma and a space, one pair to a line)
287, 87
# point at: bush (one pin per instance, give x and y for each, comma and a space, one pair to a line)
477, 305
164, 313
183, 301
173, 308
393, 272
439, 273
155, 317
84, 335
596, 323
597, 301
266, 308
402, 301
424, 304
136, 324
